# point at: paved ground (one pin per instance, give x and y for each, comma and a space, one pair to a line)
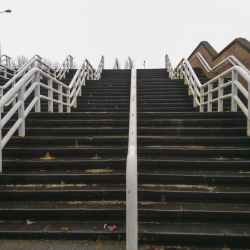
80, 245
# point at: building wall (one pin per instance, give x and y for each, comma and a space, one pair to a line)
240, 48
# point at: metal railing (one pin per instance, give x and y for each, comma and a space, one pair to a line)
200, 91
231, 59
131, 170
6, 71
29, 83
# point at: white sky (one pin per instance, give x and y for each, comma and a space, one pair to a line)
143, 29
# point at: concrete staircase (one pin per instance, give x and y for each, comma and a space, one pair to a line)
68, 174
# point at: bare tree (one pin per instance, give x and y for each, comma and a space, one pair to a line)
129, 63
18, 62
56, 65
117, 64
48, 62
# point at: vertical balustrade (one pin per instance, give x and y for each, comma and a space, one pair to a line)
21, 128
248, 118
234, 91
220, 94
209, 98
37, 92
50, 95
60, 99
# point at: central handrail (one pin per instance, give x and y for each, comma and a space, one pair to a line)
31, 82
131, 170
200, 91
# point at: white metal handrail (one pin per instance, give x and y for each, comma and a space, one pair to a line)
5, 67
131, 170
198, 90
32, 80
5, 60
59, 73
231, 59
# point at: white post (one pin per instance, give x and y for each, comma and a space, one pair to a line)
195, 94
68, 100
88, 70
37, 93
248, 118
21, 128
220, 94
131, 172
1, 164
50, 95
209, 98
71, 62
83, 74
201, 100
60, 98
1, 95
80, 84
234, 91
74, 96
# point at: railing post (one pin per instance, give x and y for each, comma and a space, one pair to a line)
21, 128
68, 100
50, 95
248, 118
220, 94
37, 93
5, 72
1, 95
83, 74
209, 98
75, 96
60, 98
189, 82
1, 158
195, 93
234, 91
79, 83
88, 70
71, 62
201, 99
131, 171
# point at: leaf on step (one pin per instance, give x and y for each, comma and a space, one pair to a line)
154, 248
64, 228
112, 228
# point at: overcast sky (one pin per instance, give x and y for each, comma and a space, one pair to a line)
143, 29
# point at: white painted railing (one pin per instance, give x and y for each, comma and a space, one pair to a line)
131, 170
5, 60
230, 59
6, 71
199, 92
29, 83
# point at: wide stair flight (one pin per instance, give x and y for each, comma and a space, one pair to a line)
68, 174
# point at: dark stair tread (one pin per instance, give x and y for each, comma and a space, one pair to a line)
181, 233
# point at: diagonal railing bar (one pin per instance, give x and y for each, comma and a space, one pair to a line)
29, 83
200, 91
131, 170
8, 72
